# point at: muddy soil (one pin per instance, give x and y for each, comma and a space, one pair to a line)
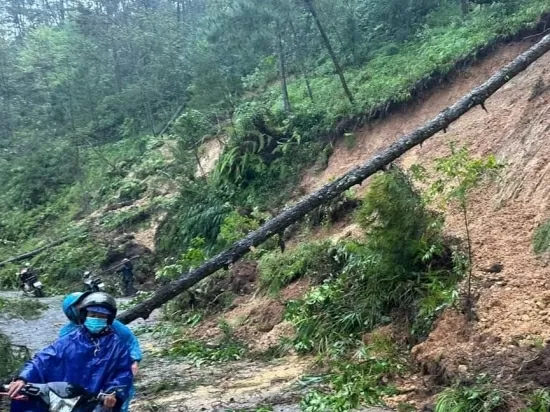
513, 306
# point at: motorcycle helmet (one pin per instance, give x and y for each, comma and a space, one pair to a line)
102, 300
69, 305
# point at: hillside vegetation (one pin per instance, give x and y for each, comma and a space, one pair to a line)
86, 88
107, 109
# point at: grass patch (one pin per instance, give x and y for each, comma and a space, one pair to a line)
539, 401
315, 260
22, 308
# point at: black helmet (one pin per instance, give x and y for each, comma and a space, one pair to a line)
101, 299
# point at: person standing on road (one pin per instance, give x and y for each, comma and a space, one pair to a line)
127, 272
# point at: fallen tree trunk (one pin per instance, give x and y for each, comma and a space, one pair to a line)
36, 251
357, 175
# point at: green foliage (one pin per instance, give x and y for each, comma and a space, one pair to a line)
236, 225
63, 269
316, 260
398, 223
541, 238
360, 381
539, 401
199, 353
125, 219
11, 358
402, 261
193, 257
480, 397
198, 212
439, 296
131, 190
22, 308
459, 173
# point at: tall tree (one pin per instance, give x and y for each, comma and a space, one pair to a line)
311, 8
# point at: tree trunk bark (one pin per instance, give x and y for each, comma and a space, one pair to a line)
282, 73
311, 8
174, 117
300, 57
355, 176
36, 251
464, 7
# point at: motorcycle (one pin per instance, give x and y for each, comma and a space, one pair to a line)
94, 285
63, 397
33, 287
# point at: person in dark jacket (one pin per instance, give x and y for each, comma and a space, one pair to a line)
127, 273
92, 357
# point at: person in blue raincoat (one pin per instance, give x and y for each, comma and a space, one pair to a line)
92, 356
70, 308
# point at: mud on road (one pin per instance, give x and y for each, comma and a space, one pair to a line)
177, 385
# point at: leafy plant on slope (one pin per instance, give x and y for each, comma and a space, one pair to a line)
458, 174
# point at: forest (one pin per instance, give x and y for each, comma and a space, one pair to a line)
86, 88
168, 130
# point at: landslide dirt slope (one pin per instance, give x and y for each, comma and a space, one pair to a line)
513, 306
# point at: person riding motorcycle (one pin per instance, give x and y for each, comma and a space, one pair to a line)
71, 305
92, 356
25, 275
93, 283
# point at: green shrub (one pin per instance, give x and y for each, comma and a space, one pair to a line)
227, 349
539, 401
11, 358
403, 260
316, 260
541, 238
361, 381
131, 190
198, 212
480, 397
236, 226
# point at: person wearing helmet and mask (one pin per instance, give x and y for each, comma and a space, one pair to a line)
71, 305
92, 356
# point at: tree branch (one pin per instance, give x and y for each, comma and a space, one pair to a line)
331, 190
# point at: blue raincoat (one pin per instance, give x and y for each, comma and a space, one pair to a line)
128, 338
122, 331
95, 363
